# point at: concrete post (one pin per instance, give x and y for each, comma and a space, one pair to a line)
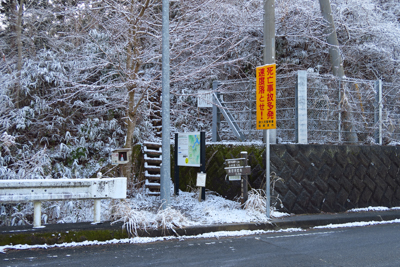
301, 108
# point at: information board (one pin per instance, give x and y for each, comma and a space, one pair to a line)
189, 149
201, 179
266, 97
204, 99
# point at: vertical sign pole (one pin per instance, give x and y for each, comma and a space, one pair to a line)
269, 58
269, 45
203, 160
216, 113
267, 175
166, 149
176, 167
243, 154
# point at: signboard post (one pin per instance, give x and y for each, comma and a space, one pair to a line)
190, 152
238, 170
189, 149
266, 112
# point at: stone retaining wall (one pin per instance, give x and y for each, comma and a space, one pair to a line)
315, 178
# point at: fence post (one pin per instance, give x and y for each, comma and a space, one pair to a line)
378, 112
301, 107
250, 110
340, 113
216, 115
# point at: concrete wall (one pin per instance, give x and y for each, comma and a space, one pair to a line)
315, 178
336, 178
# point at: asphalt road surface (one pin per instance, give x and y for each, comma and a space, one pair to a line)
358, 246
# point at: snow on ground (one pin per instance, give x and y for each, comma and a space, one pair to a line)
142, 211
144, 240
355, 224
217, 235
373, 209
214, 210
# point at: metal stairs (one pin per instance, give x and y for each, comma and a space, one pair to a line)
152, 160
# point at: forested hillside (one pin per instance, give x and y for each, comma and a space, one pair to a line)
79, 78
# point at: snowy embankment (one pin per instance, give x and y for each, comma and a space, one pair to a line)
144, 212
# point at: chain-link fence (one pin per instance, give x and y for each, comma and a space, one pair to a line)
338, 110
239, 98
391, 113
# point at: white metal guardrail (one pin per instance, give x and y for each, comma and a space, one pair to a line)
16, 191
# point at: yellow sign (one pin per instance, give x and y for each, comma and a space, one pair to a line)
266, 97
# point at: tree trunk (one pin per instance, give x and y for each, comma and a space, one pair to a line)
334, 51
133, 66
337, 69
18, 31
131, 118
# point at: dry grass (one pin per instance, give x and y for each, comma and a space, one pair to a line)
170, 218
256, 201
135, 220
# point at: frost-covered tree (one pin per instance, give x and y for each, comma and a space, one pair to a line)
89, 69
81, 77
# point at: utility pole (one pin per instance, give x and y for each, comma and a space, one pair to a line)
166, 159
269, 48
269, 58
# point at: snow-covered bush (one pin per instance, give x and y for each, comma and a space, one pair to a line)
256, 200
135, 219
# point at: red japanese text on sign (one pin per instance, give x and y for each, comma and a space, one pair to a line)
266, 97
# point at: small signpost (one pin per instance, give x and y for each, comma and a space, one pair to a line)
238, 170
201, 182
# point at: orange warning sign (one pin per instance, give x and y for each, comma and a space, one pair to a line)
266, 97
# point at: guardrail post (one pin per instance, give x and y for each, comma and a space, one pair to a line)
378, 112
301, 107
37, 214
97, 211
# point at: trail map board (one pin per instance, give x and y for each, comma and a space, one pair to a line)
189, 149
